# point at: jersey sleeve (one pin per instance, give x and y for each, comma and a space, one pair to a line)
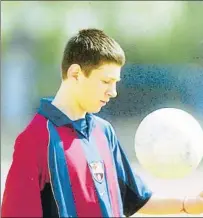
22, 189
134, 191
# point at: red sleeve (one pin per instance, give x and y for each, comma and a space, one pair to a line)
22, 189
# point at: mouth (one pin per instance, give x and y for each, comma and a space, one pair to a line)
103, 102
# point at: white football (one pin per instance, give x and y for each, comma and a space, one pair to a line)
169, 143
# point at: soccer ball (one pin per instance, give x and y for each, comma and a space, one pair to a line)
169, 143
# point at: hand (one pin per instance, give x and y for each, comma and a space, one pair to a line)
194, 205
201, 194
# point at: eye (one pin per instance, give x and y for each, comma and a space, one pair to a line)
106, 82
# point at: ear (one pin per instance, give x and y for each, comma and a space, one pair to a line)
74, 71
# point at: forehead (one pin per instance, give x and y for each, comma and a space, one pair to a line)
111, 71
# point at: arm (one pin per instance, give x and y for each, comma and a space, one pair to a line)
134, 192
137, 197
173, 205
163, 205
22, 192
194, 205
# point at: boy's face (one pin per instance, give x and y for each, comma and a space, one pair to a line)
97, 89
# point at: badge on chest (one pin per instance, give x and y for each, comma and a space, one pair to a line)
97, 170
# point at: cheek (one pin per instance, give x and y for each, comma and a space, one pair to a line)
88, 94
101, 90
86, 88
96, 89
92, 91
102, 87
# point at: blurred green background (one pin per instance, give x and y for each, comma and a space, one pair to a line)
163, 42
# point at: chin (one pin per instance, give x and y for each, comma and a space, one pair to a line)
95, 110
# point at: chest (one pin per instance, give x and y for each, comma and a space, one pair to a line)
86, 159
82, 170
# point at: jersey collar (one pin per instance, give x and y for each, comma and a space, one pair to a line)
58, 118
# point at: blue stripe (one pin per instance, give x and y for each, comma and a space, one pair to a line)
120, 203
60, 180
137, 191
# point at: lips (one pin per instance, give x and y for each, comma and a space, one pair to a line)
103, 102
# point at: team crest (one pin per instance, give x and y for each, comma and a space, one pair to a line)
97, 169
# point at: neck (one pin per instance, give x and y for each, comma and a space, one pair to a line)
66, 102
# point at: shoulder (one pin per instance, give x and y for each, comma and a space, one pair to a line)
102, 122
30, 147
35, 132
106, 126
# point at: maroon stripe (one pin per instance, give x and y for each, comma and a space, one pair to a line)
86, 200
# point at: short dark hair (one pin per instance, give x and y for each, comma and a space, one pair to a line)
91, 48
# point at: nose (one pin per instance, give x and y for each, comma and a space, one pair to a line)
112, 93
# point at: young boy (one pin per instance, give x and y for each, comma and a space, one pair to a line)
68, 162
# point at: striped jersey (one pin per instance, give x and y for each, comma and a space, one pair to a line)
65, 168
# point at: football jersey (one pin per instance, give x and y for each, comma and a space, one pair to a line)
78, 168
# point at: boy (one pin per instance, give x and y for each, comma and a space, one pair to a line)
68, 162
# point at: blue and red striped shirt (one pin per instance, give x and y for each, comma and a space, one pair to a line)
70, 168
